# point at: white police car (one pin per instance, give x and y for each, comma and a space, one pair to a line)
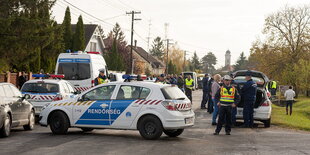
43, 91
148, 107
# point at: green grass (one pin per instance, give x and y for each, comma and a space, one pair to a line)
300, 118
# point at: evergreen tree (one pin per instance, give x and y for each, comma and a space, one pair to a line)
195, 62
241, 63
79, 37
67, 36
157, 48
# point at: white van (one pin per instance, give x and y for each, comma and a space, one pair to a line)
194, 77
80, 68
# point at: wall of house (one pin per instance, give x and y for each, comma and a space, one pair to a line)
94, 39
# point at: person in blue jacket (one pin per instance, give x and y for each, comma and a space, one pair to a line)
248, 94
205, 95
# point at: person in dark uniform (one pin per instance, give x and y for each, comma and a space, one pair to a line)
205, 90
248, 94
227, 96
210, 102
101, 77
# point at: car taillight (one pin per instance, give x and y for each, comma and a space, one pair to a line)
268, 94
57, 98
92, 83
266, 104
169, 105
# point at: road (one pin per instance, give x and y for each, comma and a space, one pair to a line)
196, 140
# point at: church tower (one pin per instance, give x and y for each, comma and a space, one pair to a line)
227, 58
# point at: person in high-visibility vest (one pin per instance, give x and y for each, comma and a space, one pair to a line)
228, 98
189, 87
273, 88
101, 79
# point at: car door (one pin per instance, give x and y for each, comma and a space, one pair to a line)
24, 106
93, 108
126, 105
13, 104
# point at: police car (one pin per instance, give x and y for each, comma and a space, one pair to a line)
43, 91
148, 107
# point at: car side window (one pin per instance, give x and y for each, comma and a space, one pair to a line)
132, 92
16, 92
8, 91
101, 93
1, 91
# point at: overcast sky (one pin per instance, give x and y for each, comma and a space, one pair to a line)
196, 25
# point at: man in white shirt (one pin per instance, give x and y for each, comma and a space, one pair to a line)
289, 95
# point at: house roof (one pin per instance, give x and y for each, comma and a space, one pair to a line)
148, 57
88, 30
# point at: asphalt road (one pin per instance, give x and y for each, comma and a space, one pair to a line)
195, 140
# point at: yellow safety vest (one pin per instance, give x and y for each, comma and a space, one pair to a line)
227, 97
274, 85
189, 83
101, 81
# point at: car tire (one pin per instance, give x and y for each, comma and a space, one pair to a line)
59, 122
174, 133
31, 123
267, 123
6, 128
87, 129
150, 127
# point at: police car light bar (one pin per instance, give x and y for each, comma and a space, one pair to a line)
129, 77
39, 75
93, 52
61, 76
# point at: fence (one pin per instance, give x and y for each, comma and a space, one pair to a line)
13, 77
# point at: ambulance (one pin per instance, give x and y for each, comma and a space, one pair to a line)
80, 68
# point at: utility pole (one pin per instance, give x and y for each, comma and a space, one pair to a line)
184, 61
132, 30
149, 36
167, 61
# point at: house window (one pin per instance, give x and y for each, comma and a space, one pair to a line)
93, 46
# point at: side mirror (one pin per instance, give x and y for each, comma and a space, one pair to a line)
26, 97
77, 92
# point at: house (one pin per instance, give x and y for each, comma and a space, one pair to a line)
93, 38
146, 62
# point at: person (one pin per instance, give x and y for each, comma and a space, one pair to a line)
189, 87
162, 79
214, 89
273, 88
139, 78
289, 96
101, 77
205, 91
248, 94
227, 96
21, 80
210, 103
180, 82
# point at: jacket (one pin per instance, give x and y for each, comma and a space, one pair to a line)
248, 91
218, 96
205, 81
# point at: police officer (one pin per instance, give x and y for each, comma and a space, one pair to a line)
101, 78
189, 86
162, 79
248, 94
205, 95
227, 96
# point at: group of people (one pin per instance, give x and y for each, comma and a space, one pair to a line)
221, 95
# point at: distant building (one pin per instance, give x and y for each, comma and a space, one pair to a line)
227, 58
228, 67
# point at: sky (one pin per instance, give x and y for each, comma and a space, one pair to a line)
199, 26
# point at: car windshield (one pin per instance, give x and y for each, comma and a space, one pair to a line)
40, 88
173, 93
74, 71
241, 79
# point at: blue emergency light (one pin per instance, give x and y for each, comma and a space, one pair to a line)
39, 75
48, 75
129, 77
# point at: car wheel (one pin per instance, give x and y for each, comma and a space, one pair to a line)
267, 123
173, 133
6, 128
150, 127
31, 123
59, 122
87, 129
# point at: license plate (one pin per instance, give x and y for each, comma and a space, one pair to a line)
189, 120
240, 112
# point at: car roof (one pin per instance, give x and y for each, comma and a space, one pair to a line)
55, 81
140, 83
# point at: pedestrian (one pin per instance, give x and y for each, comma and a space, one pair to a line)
227, 97
102, 78
210, 103
248, 94
139, 78
21, 80
215, 87
180, 82
189, 87
162, 79
273, 89
289, 95
205, 91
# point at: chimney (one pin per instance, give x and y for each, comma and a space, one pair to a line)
135, 44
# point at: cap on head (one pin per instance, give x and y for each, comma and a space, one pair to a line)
226, 77
248, 73
207, 74
162, 75
102, 70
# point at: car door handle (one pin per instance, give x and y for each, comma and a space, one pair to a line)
77, 85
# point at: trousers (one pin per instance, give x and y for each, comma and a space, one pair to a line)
248, 112
224, 115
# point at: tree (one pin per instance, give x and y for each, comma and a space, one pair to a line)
195, 62
67, 37
79, 36
158, 48
209, 61
241, 63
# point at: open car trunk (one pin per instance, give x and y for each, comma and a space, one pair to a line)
260, 98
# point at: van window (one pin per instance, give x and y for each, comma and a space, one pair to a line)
74, 71
40, 88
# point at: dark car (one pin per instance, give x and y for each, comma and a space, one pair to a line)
15, 110
262, 106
